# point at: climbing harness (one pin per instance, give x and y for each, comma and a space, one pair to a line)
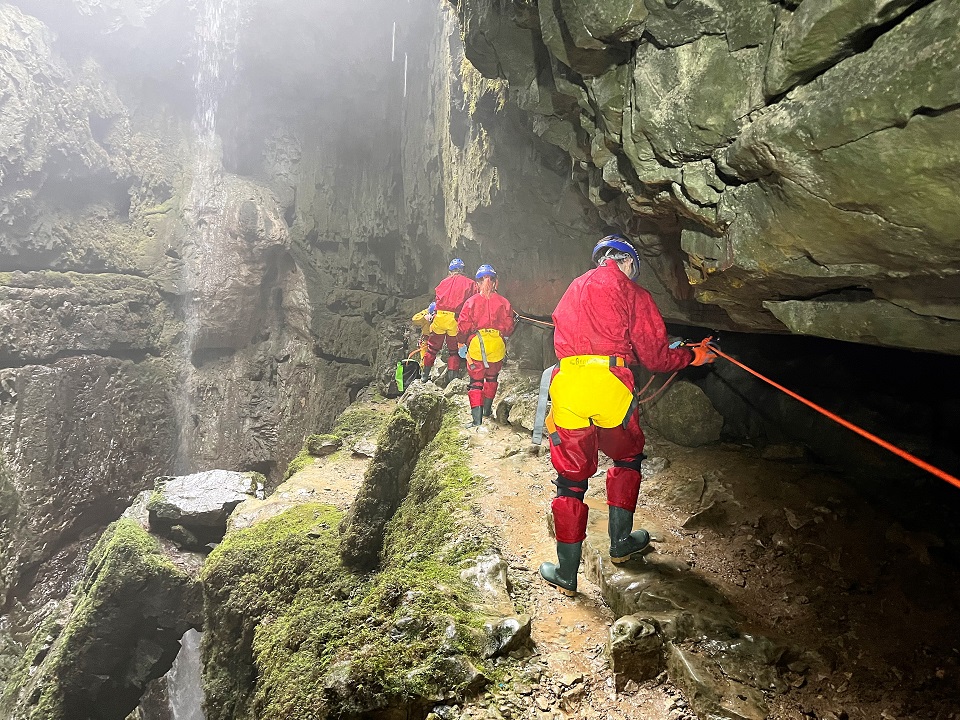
483, 350
639, 396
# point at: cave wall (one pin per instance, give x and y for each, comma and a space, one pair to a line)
180, 295
788, 164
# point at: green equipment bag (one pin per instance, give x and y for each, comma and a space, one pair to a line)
407, 371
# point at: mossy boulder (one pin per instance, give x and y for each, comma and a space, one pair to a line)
121, 629
359, 421
386, 482
323, 445
291, 631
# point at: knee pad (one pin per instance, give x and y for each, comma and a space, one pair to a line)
623, 488
570, 488
569, 519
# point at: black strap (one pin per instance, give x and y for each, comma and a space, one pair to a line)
570, 488
634, 464
634, 404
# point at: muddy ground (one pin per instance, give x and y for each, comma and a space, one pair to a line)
864, 609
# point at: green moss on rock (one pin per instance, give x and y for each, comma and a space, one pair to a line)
359, 421
131, 608
299, 462
318, 445
292, 632
313, 446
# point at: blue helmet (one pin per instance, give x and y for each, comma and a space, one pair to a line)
486, 271
456, 265
616, 246
432, 309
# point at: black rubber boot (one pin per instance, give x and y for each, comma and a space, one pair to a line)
563, 575
623, 543
477, 413
425, 375
488, 407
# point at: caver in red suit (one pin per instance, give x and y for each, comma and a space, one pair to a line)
451, 293
486, 321
605, 322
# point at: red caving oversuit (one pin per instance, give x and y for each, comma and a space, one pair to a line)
451, 294
604, 323
489, 319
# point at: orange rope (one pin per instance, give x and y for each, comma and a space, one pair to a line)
922, 464
847, 424
657, 393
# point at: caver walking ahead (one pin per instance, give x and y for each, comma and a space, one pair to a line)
451, 293
605, 322
486, 321
423, 320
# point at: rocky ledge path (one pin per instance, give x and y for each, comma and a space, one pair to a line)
787, 595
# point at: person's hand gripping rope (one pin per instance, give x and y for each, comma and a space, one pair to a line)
703, 353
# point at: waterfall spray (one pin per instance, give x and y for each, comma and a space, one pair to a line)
184, 688
217, 29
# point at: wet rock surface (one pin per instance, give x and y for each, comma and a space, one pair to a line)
193, 509
709, 135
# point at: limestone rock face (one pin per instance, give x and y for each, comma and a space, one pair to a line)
121, 629
766, 157
685, 415
174, 299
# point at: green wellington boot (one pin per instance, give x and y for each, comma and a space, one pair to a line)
477, 413
488, 407
623, 543
563, 575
